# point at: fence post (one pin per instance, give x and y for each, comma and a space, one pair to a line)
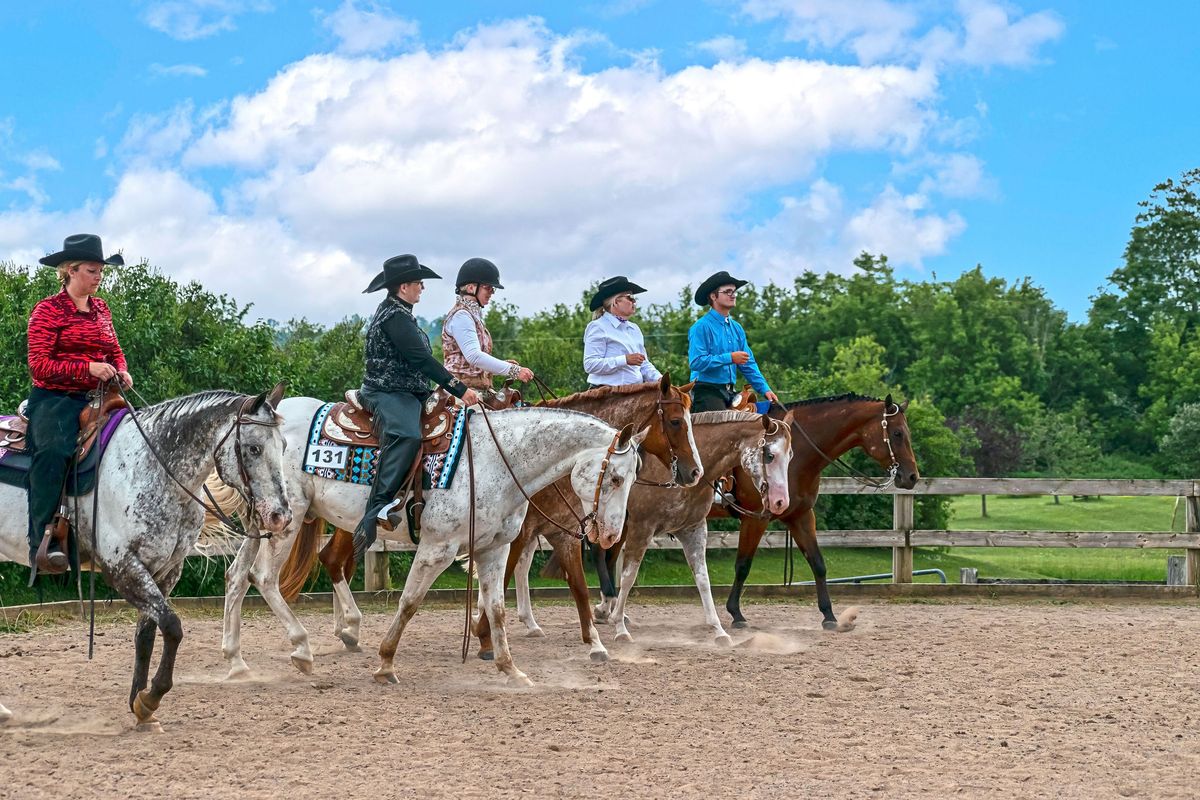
1191, 568
902, 522
376, 576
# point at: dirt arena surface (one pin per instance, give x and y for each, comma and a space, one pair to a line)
967, 700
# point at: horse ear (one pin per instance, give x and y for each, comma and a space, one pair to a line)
276, 394
686, 388
640, 436
904, 407
776, 411
887, 402
625, 435
664, 383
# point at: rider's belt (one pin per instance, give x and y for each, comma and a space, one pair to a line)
726, 386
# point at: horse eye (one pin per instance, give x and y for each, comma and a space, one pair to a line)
676, 423
617, 480
769, 457
255, 450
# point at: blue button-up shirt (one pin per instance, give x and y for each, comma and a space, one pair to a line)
712, 341
606, 342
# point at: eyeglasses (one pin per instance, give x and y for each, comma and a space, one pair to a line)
628, 297
728, 292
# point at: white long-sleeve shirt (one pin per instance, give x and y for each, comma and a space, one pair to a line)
462, 328
606, 342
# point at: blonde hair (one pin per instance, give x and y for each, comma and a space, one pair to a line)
605, 306
65, 269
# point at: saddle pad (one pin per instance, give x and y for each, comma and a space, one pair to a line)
14, 466
328, 459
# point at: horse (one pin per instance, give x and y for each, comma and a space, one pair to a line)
656, 404
823, 429
666, 410
759, 445
147, 515
282, 564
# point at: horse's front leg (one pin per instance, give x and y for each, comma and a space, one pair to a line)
629, 572
606, 566
749, 537
518, 564
237, 583
490, 566
337, 557
430, 561
694, 542
143, 650
804, 532
568, 551
265, 574
136, 585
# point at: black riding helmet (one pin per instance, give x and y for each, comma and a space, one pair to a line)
478, 270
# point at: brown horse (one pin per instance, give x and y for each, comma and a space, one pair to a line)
823, 429
666, 410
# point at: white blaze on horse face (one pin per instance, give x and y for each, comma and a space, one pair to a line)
779, 449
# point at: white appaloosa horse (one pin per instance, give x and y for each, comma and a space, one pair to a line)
146, 523
541, 444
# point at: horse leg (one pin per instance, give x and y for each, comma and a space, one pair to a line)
571, 558
143, 649
516, 552
633, 562
237, 583
605, 562
337, 557
490, 566
519, 564
804, 532
429, 562
265, 573
694, 542
749, 536
138, 587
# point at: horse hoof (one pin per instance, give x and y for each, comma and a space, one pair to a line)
829, 624
153, 726
520, 681
384, 678
536, 633
305, 667
624, 637
143, 708
487, 655
599, 656
741, 623
238, 673
351, 642
724, 640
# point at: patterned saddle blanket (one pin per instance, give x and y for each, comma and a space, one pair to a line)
15, 461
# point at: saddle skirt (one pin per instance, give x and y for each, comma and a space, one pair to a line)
348, 423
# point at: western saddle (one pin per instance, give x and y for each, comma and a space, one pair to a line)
14, 431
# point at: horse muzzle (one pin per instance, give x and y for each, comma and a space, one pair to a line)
273, 518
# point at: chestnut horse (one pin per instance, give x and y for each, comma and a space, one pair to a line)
823, 429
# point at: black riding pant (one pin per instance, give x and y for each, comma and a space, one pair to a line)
711, 397
398, 427
53, 430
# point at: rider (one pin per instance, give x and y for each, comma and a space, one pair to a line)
717, 348
466, 342
614, 352
72, 348
399, 366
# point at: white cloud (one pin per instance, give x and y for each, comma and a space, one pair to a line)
368, 27
155, 137
178, 70
725, 48
187, 20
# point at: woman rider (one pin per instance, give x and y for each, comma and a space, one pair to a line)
614, 352
466, 342
72, 348
399, 366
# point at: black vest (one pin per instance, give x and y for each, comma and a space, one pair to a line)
387, 371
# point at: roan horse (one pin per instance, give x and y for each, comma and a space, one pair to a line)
665, 410
823, 429
146, 523
542, 445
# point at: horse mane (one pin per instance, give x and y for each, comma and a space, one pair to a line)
848, 397
190, 404
711, 417
599, 393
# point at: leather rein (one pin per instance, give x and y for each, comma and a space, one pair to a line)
730, 502
662, 421
858, 475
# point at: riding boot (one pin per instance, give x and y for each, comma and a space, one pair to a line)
391, 468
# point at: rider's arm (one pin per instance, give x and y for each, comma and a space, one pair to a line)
750, 370
402, 330
595, 344
462, 328
648, 370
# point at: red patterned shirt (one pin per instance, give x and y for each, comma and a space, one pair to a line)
63, 340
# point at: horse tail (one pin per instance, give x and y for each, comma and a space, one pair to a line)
231, 503
302, 560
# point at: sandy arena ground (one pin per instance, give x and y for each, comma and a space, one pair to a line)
965, 700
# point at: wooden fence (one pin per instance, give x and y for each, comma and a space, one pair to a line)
902, 537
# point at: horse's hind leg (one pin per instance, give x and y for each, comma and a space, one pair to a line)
605, 562
266, 577
693, 542
237, 583
337, 557
430, 561
490, 566
519, 564
749, 537
143, 649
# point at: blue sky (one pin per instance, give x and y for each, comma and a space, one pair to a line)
258, 146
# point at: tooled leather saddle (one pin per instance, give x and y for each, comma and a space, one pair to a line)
14, 431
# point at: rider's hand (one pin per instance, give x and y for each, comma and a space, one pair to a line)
102, 370
471, 398
525, 374
635, 359
740, 356
126, 379
771, 396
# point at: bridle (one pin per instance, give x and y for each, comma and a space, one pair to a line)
858, 475
763, 451
662, 420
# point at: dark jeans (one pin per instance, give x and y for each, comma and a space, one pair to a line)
711, 397
398, 426
53, 429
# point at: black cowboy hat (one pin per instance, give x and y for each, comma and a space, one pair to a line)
82, 247
400, 269
478, 270
611, 288
714, 282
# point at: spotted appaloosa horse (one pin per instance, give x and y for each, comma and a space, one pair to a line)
146, 523
823, 429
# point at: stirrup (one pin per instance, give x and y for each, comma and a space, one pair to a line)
389, 517
47, 561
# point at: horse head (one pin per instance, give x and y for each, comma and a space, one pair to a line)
767, 463
602, 478
885, 438
250, 459
670, 436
